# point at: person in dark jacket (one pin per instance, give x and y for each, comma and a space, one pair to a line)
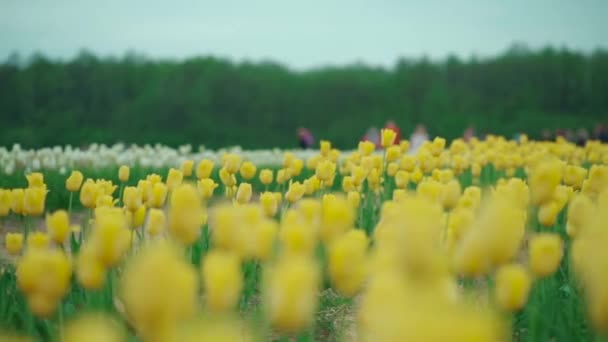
305, 138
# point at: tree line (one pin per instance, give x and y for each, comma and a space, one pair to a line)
217, 102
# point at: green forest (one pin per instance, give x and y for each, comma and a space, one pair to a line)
217, 102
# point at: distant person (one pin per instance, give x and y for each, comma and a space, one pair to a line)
419, 137
305, 138
372, 135
603, 136
597, 131
600, 132
569, 135
393, 126
469, 134
582, 135
545, 135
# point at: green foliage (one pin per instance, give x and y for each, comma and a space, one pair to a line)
216, 102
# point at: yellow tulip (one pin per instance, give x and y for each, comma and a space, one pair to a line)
404, 145
146, 187
324, 147
359, 174
354, 198
223, 328
580, 211
58, 226
347, 262
459, 222
265, 235
227, 178
393, 153
231, 163
104, 201
204, 169
17, 201
248, 170
431, 190
74, 181
392, 169
88, 194
94, 328
269, 203
407, 163
283, 175
296, 167
388, 137
45, 272
374, 179
156, 222
416, 176
154, 178
186, 214
90, 272
366, 148
279, 197
243, 194
311, 185
288, 159
206, 187
471, 257
186, 167
437, 146
545, 252
543, 181
295, 192
174, 179
158, 289
266, 176
547, 213
348, 184
33, 201
291, 289
222, 280
35, 180
399, 194
513, 285
132, 198
312, 162
106, 187
5, 202
402, 179
139, 216
13, 242
338, 217
157, 196
296, 238
450, 194
574, 176
476, 170
41, 305
123, 173
110, 236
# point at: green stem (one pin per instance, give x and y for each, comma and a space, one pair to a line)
26, 223
60, 322
70, 203
122, 188
110, 290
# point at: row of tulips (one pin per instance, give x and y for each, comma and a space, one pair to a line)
480, 241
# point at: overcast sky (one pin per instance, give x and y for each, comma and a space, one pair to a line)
300, 34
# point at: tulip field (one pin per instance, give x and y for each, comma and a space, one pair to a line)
493, 240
